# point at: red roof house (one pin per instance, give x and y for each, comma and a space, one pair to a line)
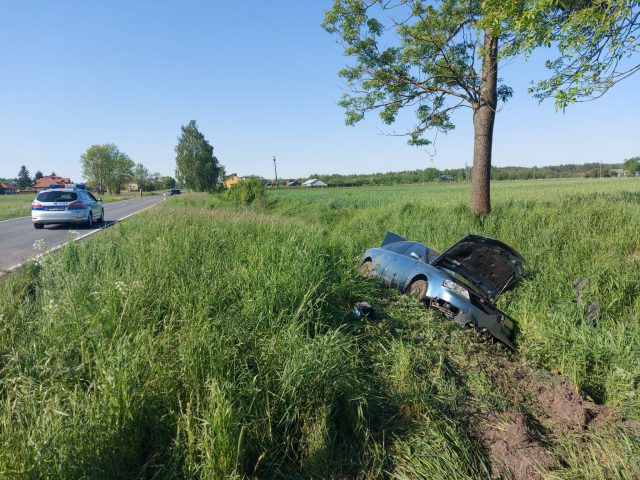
8, 188
46, 182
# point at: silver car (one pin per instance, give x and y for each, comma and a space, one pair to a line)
462, 282
66, 205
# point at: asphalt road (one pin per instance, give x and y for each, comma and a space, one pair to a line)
17, 236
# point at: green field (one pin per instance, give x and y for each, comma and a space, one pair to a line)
13, 206
199, 340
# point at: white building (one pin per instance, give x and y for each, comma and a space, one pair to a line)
314, 182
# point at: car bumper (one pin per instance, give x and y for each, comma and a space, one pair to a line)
73, 216
499, 325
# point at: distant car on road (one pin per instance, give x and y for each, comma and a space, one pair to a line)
66, 205
172, 192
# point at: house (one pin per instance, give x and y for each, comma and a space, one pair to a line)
314, 182
293, 183
8, 189
618, 172
46, 182
133, 187
231, 180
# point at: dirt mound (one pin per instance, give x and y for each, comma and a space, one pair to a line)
514, 443
565, 408
519, 443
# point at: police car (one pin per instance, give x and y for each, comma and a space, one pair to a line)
72, 204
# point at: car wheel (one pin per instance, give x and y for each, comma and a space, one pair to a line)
366, 269
418, 289
90, 220
38, 226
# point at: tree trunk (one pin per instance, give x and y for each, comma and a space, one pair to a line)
484, 114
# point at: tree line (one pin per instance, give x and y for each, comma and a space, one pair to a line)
593, 170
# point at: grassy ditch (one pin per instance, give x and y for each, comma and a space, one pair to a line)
206, 341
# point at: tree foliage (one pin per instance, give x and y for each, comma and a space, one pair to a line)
38, 175
196, 166
597, 43
142, 176
632, 164
106, 167
24, 181
168, 182
411, 54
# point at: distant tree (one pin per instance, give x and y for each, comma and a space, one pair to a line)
155, 181
632, 164
24, 181
196, 166
106, 167
168, 182
141, 175
53, 174
38, 175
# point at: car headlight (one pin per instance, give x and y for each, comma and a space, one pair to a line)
451, 285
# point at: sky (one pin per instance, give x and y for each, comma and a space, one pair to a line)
260, 78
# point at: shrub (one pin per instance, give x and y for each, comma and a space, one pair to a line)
245, 192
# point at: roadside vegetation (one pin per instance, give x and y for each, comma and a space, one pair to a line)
13, 206
205, 340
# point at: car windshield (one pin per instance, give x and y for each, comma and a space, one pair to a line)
57, 196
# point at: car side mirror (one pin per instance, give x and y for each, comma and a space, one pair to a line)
99, 199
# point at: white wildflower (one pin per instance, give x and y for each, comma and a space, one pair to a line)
40, 245
121, 287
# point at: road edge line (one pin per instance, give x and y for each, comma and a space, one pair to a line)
17, 266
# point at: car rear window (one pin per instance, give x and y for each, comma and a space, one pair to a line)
57, 197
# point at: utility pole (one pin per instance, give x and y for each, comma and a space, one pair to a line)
275, 170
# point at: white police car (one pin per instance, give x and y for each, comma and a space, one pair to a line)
66, 205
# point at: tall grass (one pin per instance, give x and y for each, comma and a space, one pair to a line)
206, 341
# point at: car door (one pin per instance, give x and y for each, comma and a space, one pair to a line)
95, 205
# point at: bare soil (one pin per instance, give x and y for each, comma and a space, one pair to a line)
514, 446
518, 442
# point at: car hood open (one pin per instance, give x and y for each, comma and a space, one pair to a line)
488, 264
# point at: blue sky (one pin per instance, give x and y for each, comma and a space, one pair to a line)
260, 78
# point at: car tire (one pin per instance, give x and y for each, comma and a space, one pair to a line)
89, 222
418, 289
366, 269
38, 226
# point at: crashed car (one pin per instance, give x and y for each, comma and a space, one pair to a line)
462, 283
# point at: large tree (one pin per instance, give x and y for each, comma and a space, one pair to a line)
196, 166
432, 57
107, 167
24, 181
436, 57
